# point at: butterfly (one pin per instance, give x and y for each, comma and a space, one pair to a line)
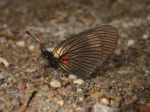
83, 53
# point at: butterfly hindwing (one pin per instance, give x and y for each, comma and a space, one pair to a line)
109, 38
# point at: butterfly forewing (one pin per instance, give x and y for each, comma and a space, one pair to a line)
83, 52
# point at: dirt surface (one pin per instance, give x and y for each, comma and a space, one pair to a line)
123, 85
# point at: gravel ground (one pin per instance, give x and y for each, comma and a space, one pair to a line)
122, 86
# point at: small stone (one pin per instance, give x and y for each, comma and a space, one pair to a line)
72, 77
124, 71
116, 101
22, 85
20, 43
50, 94
130, 42
134, 98
145, 36
79, 90
118, 52
65, 83
2, 76
81, 99
31, 48
32, 69
56, 84
104, 101
32, 76
78, 81
74, 105
103, 108
60, 102
95, 95
45, 88
4, 61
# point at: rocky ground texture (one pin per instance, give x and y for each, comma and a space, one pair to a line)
124, 85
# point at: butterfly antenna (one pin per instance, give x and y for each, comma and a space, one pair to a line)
36, 39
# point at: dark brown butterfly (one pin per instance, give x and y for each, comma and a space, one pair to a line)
82, 53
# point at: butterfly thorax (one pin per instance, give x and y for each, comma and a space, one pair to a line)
53, 62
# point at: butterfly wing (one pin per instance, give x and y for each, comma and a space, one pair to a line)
84, 52
80, 54
109, 38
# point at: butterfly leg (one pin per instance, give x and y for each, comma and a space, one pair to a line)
45, 69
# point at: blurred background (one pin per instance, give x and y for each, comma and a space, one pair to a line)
56, 20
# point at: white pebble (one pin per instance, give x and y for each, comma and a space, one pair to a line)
118, 51
55, 84
72, 77
130, 42
32, 69
103, 108
145, 36
79, 90
78, 81
31, 48
104, 101
4, 61
81, 99
20, 43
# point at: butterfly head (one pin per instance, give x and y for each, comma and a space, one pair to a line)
46, 54
53, 62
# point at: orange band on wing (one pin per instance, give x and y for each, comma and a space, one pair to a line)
64, 59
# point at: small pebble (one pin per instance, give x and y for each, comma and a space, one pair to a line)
60, 102
78, 81
56, 84
72, 77
95, 95
20, 43
116, 101
118, 51
65, 83
2, 76
45, 88
79, 90
31, 48
50, 94
33, 69
103, 108
81, 99
104, 101
4, 61
32, 76
22, 86
130, 42
145, 36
